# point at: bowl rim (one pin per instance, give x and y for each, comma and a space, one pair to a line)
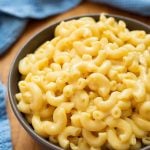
17, 113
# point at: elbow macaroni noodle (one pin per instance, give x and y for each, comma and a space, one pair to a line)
89, 87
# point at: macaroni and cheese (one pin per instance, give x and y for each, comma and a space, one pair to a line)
89, 87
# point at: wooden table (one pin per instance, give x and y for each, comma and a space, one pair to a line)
20, 138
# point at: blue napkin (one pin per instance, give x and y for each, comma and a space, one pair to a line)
5, 139
141, 7
15, 14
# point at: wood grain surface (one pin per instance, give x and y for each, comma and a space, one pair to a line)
20, 138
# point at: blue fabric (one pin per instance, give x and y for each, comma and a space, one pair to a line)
10, 28
15, 14
5, 138
141, 7
37, 9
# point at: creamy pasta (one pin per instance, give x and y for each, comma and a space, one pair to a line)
89, 87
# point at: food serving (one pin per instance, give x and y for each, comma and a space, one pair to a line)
88, 87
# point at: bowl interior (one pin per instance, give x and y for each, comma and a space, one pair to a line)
31, 46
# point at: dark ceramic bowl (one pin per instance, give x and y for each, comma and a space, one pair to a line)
30, 47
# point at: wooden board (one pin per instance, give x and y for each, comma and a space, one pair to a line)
20, 138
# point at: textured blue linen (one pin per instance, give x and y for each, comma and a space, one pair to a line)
15, 14
141, 7
5, 138
10, 28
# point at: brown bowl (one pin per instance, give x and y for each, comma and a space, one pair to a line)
31, 46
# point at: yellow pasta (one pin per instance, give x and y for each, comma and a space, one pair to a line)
88, 88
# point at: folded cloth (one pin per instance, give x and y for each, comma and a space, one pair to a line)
141, 7
15, 15
5, 139
10, 28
